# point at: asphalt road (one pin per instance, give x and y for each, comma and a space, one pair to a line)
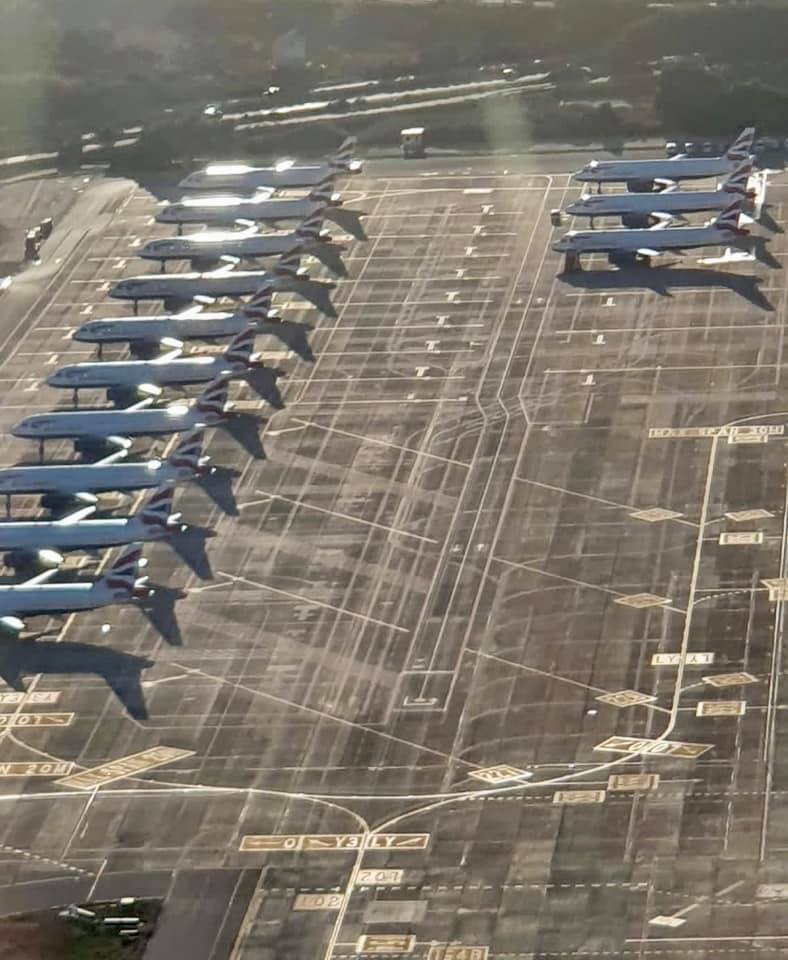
435, 636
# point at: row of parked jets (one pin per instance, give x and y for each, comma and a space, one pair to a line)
103, 437
653, 207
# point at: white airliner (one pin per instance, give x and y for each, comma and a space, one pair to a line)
642, 174
179, 289
192, 324
125, 379
43, 542
92, 430
637, 208
146, 335
286, 175
322, 201
207, 248
627, 246
65, 484
36, 597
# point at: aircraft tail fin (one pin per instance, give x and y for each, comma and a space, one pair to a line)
290, 262
742, 146
729, 218
214, 398
324, 191
121, 578
310, 228
241, 346
738, 180
258, 306
158, 508
188, 451
342, 158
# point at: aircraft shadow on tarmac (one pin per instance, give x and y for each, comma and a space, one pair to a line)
263, 380
159, 609
294, 335
189, 545
218, 486
768, 221
245, 429
120, 671
663, 280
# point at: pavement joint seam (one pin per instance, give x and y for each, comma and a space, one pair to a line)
37, 856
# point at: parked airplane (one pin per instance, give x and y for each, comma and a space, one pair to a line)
207, 248
286, 175
96, 431
322, 200
62, 485
124, 380
639, 209
180, 289
146, 334
41, 543
36, 597
628, 246
641, 175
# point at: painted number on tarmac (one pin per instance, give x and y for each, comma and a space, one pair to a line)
36, 720
44, 769
498, 774
670, 748
457, 951
326, 842
125, 767
318, 901
15, 697
379, 878
386, 943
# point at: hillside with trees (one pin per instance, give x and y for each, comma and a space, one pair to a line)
70, 66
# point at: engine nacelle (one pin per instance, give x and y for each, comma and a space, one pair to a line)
144, 349
176, 304
122, 396
640, 186
57, 503
37, 560
636, 220
90, 449
622, 260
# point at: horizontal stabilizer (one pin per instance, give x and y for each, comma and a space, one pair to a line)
730, 256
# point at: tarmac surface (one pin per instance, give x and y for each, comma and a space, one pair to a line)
483, 659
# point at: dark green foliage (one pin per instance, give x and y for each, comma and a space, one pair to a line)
70, 66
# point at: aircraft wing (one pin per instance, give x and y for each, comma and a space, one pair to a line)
123, 442
664, 220
224, 271
41, 577
172, 355
666, 185
76, 516
189, 312
142, 404
112, 458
